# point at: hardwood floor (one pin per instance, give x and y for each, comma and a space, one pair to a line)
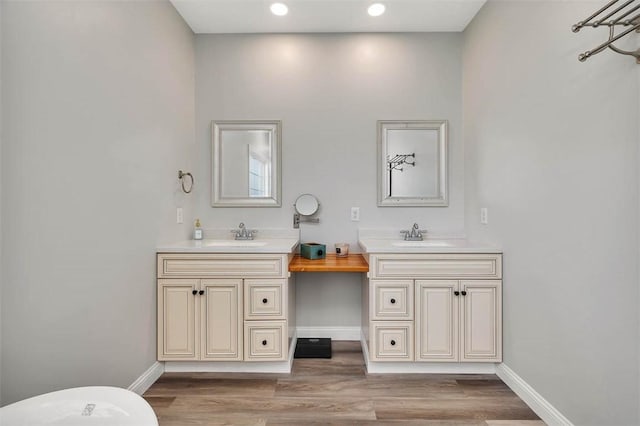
336, 391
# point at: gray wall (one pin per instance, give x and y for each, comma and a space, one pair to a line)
551, 148
98, 113
329, 90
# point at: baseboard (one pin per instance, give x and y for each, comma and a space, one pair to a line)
430, 368
147, 378
292, 349
547, 412
365, 348
227, 367
335, 333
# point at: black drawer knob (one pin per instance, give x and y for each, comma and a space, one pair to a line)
264, 343
201, 292
393, 301
194, 292
264, 300
457, 293
393, 343
464, 293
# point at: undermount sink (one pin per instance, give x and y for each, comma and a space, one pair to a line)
233, 243
426, 243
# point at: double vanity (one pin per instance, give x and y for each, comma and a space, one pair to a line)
229, 305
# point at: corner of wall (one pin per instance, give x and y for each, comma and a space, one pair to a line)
1, 268
638, 123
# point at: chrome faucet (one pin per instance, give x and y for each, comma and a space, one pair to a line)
242, 233
414, 234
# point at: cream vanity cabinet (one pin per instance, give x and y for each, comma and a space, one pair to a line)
458, 320
223, 307
435, 307
200, 319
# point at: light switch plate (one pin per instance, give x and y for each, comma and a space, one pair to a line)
484, 216
179, 215
355, 214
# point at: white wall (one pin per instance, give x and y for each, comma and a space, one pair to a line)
551, 148
98, 113
329, 90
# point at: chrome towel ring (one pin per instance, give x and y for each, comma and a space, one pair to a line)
181, 176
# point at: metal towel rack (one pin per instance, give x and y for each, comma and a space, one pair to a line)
625, 15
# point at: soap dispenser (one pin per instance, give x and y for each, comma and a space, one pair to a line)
197, 231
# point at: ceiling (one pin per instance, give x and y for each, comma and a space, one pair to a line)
305, 16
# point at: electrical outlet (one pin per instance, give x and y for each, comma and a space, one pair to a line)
179, 215
355, 214
484, 216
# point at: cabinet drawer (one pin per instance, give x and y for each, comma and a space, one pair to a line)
204, 265
265, 340
392, 341
391, 300
265, 299
460, 266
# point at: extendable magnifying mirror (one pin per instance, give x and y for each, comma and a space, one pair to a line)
306, 205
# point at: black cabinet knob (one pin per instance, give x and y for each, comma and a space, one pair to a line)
464, 293
393, 343
264, 343
393, 301
201, 292
264, 300
194, 292
457, 293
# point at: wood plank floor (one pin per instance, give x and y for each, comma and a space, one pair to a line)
336, 391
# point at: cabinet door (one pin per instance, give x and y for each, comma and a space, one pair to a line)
177, 325
436, 321
221, 313
481, 318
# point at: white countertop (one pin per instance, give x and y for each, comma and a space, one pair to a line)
266, 245
429, 245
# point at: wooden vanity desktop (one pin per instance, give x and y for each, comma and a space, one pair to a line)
353, 262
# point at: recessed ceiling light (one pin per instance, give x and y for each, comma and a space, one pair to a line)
279, 9
376, 9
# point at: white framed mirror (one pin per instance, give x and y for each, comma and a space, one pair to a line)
246, 169
412, 163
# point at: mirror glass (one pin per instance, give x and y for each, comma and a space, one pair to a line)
246, 163
306, 204
412, 163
